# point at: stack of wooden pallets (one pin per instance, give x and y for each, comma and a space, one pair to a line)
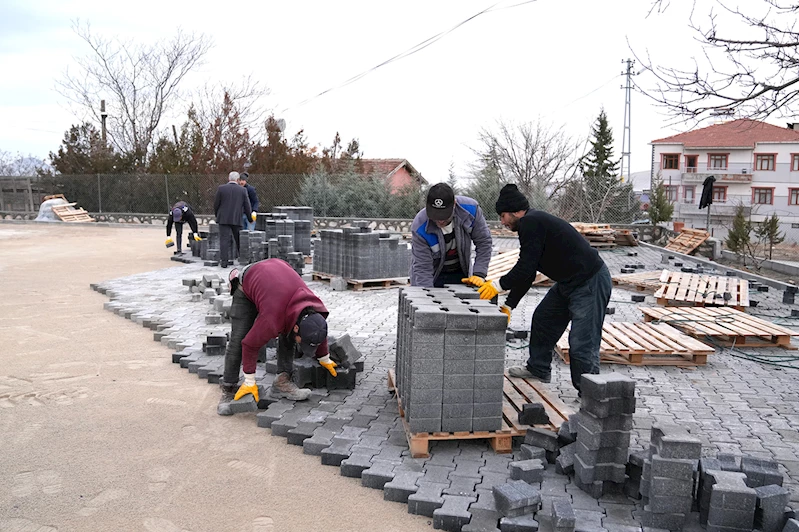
598, 235
641, 281
724, 325
687, 241
67, 212
693, 289
644, 344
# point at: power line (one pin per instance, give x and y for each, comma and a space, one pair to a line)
410, 51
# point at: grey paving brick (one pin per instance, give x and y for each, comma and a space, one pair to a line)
427, 499
530, 471
454, 514
482, 521
401, 486
525, 523
380, 473
356, 463
543, 438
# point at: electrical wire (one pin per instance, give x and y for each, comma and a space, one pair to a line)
410, 51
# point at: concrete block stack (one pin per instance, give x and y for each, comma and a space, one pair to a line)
754, 483
209, 247
667, 480
360, 253
603, 433
251, 247
295, 212
275, 224
450, 361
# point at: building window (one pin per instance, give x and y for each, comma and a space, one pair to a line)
717, 161
764, 161
719, 194
672, 193
688, 194
793, 196
762, 196
795, 162
690, 163
671, 161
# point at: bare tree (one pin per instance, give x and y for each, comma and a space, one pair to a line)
537, 157
21, 166
139, 82
210, 103
748, 66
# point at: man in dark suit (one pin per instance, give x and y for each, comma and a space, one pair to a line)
230, 204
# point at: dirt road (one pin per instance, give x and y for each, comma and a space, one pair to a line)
100, 431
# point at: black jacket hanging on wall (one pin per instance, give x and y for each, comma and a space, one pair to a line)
707, 192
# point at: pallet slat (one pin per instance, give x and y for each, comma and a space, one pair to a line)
687, 241
701, 290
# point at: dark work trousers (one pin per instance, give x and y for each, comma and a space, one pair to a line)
584, 305
242, 316
448, 278
225, 256
179, 236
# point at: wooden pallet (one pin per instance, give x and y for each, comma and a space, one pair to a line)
687, 241
641, 281
517, 392
68, 213
724, 325
644, 344
502, 263
365, 284
625, 237
693, 289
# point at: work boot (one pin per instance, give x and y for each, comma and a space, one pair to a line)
228, 392
523, 372
284, 388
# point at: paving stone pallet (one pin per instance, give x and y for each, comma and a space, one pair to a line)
644, 344
360, 284
516, 394
641, 281
693, 289
359, 253
725, 326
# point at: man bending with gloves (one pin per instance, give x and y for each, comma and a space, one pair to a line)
271, 301
580, 294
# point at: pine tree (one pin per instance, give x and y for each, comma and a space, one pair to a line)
660, 208
738, 236
452, 180
769, 233
607, 198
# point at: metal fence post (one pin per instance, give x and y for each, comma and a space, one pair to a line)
99, 195
166, 186
30, 194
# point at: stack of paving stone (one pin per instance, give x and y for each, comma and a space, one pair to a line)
309, 373
603, 433
736, 492
209, 247
667, 481
361, 254
450, 361
296, 213
274, 224
251, 246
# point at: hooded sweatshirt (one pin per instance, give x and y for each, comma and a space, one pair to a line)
280, 295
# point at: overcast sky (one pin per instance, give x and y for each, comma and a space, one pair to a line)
552, 60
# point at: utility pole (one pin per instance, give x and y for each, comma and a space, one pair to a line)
103, 116
626, 138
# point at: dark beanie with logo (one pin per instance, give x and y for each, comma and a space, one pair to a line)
511, 200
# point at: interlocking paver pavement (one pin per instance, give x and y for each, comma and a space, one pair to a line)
732, 405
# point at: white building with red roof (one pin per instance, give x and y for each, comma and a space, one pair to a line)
755, 165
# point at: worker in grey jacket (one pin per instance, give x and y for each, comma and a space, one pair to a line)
442, 237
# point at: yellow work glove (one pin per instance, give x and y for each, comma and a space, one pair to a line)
488, 290
253, 216
505, 309
249, 386
474, 280
328, 364
197, 237
169, 243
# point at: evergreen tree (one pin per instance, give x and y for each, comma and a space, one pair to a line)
484, 188
660, 208
82, 152
607, 198
738, 236
769, 233
452, 180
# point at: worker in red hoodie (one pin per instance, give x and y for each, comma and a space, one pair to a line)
271, 301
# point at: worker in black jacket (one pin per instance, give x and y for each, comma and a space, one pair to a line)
580, 294
181, 213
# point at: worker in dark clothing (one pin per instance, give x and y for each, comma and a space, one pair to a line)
271, 301
580, 294
181, 213
230, 204
254, 203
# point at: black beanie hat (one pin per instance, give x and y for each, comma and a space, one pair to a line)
511, 200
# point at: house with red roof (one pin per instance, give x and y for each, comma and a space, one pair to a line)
398, 172
755, 165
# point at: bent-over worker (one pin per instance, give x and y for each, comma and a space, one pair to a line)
580, 294
271, 301
181, 213
443, 233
